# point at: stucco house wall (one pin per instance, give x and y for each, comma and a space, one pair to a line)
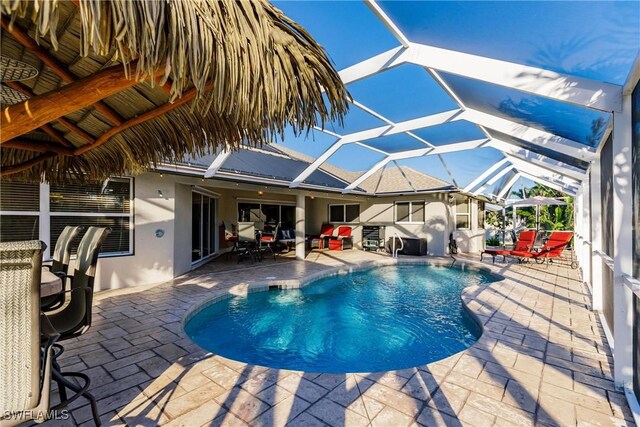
162, 227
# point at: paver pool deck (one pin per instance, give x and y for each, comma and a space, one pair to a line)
542, 359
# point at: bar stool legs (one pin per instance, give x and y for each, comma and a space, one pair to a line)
61, 378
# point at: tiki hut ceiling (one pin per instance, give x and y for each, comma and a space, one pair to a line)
93, 88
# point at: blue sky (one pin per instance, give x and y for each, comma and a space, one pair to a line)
596, 40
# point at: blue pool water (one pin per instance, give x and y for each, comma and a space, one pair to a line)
381, 319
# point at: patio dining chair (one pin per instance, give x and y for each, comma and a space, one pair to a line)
268, 241
74, 319
25, 364
247, 240
60, 263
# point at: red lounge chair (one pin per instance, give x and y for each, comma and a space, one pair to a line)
326, 231
524, 244
341, 239
322, 241
553, 248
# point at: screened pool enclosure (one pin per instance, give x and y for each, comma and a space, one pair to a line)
485, 95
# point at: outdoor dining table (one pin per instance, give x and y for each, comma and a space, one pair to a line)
50, 284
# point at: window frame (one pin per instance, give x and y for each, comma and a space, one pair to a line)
261, 202
344, 213
467, 214
215, 250
45, 214
410, 202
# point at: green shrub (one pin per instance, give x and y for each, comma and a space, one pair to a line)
493, 241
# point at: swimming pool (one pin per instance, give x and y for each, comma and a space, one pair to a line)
385, 318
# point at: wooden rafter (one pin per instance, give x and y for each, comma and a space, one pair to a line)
18, 119
10, 170
158, 111
61, 120
49, 130
55, 135
37, 146
55, 65
49, 151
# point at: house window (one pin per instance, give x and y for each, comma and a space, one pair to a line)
40, 212
269, 214
462, 213
410, 212
19, 211
106, 204
481, 214
344, 213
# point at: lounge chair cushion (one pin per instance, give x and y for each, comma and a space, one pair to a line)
343, 232
326, 230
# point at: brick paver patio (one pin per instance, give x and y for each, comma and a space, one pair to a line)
542, 359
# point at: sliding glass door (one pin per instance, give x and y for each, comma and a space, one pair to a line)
203, 226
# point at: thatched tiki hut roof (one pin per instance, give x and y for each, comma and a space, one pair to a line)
94, 88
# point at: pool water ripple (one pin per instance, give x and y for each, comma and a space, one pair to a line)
385, 318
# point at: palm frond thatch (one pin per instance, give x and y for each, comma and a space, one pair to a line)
264, 70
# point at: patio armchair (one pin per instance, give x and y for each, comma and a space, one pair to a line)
287, 237
60, 263
524, 242
74, 318
230, 232
341, 239
25, 362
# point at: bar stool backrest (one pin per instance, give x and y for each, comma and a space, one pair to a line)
62, 250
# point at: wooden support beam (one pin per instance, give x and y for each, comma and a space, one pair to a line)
57, 67
158, 111
163, 109
37, 146
26, 116
54, 134
10, 170
61, 120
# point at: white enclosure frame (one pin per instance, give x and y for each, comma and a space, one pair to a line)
521, 162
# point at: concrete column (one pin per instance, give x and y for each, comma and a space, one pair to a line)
182, 231
300, 227
623, 244
44, 220
596, 234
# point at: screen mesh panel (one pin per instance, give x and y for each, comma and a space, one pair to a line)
635, 153
606, 177
636, 346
